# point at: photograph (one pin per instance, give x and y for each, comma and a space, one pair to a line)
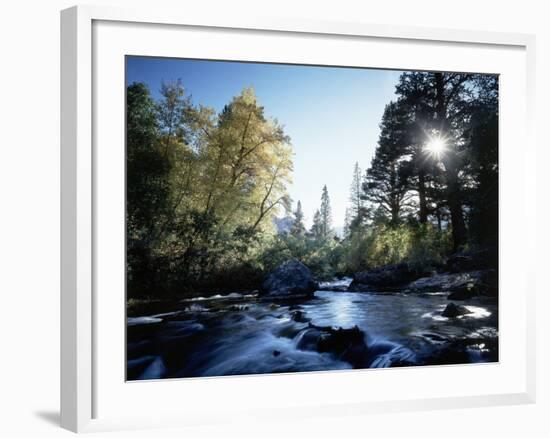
286, 218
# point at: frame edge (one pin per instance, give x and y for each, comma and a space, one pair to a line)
68, 220
77, 413
76, 237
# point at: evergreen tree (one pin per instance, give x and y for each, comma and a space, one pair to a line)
356, 191
441, 104
358, 212
347, 223
326, 214
316, 230
386, 183
298, 228
482, 164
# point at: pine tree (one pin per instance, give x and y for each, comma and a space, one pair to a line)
386, 183
357, 214
326, 214
355, 192
298, 228
347, 223
316, 228
441, 103
482, 132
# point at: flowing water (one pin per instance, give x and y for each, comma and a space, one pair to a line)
239, 334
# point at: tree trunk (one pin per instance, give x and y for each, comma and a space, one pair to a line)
457, 218
455, 203
423, 207
395, 213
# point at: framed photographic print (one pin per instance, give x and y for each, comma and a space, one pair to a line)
252, 209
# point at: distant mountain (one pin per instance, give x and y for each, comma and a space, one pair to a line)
283, 224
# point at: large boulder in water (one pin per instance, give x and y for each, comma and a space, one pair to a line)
460, 285
387, 277
292, 279
345, 344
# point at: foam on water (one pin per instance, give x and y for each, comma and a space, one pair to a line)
139, 320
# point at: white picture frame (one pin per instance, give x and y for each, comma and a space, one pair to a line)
81, 366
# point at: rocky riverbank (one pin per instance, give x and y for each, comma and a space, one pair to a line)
463, 276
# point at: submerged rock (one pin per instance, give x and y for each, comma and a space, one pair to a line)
308, 338
452, 310
460, 351
292, 279
299, 316
385, 354
345, 344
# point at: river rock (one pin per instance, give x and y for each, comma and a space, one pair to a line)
387, 277
461, 286
307, 339
452, 310
299, 316
346, 344
442, 283
292, 279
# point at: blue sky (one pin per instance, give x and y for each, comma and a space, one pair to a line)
331, 114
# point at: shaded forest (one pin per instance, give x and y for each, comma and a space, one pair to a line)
208, 208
